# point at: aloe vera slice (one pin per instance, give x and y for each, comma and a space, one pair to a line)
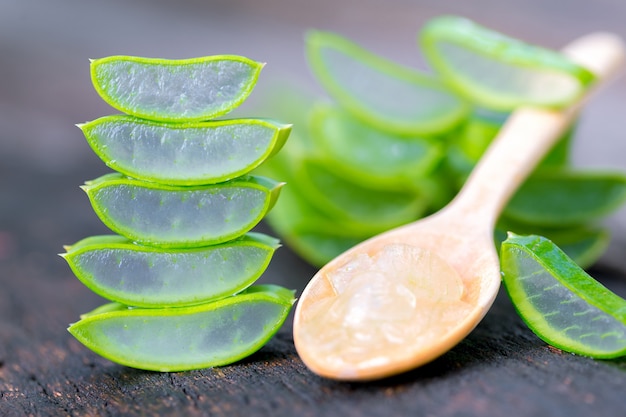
170, 216
370, 156
561, 303
144, 276
311, 234
177, 339
175, 90
380, 92
184, 154
499, 72
343, 199
566, 197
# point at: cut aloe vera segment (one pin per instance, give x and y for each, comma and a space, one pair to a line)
566, 197
380, 92
175, 90
294, 212
369, 156
178, 339
561, 303
184, 154
171, 216
343, 199
144, 276
499, 72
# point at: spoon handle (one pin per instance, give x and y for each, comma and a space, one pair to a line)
529, 133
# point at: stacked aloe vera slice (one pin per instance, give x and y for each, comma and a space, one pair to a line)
393, 144
180, 268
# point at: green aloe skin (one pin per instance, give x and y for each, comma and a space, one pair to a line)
175, 216
187, 90
358, 146
561, 303
181, 265
146, 276
184, 338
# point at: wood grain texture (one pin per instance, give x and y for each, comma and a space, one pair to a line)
500, 369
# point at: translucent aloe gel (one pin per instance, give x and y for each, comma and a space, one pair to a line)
181, 265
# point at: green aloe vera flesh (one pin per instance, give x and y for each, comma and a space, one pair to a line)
381, 93
137, 275
370, 156
344, 199
175, 90
187, 153
178, 339
567, 197
170, 216
559, 301
499, 72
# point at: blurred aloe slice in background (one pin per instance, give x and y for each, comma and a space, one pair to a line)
567, 197
344, 148
344, 199
120, 270
561, 303
498, 72
371, 157
469, 142
175, 90
178, 339
170, 216
184, 153
379, 92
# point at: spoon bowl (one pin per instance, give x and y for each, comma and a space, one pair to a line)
403, 298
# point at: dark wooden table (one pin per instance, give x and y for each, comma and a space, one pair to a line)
500, 369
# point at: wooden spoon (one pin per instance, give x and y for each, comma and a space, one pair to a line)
407, 296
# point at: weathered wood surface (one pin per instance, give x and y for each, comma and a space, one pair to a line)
500, 369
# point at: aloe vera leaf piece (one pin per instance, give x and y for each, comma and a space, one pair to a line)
561, 303
566, 197
145, 276
177, 339
380, 92
499, 72
583, 244
175, 216
293, 212
175, 90
343, 199
372, 157
184, 153
311, 234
